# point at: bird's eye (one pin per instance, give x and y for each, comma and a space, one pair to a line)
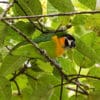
66, 43
69, 41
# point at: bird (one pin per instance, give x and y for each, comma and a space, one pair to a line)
54, 44
63, 42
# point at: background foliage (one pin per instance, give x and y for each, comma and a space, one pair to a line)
26, 75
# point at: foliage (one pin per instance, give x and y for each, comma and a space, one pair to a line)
25, 74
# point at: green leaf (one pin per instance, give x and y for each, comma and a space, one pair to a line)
89, 38
79, 20
22, 84
10, 64
79, 30
26, 51
50, 8
27, 93
81, 60
5, 89
62, 5
45, 66
97, 48
89, 3
67, 65
95, 71
30, 7
85, 49
93, 22
25, 27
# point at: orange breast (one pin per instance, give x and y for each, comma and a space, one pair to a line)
59, 45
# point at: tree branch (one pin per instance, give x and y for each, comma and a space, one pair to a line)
52, 15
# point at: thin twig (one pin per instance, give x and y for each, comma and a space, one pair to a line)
52, 15
75, 90
19, 92
79, 86
84, 91
8, 48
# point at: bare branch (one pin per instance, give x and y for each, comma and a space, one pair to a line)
53, 15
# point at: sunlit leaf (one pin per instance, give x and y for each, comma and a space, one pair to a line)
89, 3
62, 5
30, 7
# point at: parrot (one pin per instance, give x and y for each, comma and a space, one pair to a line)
54, 44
